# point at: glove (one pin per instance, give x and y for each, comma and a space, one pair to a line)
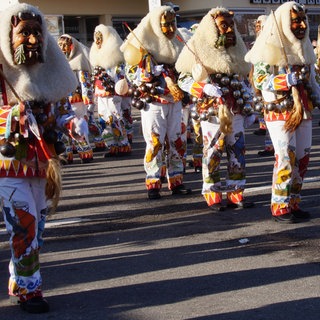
292, 79
157, 70
212, 90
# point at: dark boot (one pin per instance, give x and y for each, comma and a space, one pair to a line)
35, 305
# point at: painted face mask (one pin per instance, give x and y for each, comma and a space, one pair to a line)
298, 21
225, 25
65, 44
26, 38
168, 24
98, 39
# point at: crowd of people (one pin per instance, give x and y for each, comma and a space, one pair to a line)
50, 90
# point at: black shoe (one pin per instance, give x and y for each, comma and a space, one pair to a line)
110, 155
181, 190
217, 207
99, 149
260, 132
240, 205
300, 214
197, 169
266, 153
163, 179
86, 160
35, 305
285, 218
154, 194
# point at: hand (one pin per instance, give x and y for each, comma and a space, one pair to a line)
158, 69
212, 90
292, 79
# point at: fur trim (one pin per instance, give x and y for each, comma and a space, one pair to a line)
4, 4
109, 55
215, 60
267, 47
185, 34
149, 34
262, 19
49, 81
79, 54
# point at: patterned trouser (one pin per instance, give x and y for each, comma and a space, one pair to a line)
161, 126
24, 209
213, 147
292, 152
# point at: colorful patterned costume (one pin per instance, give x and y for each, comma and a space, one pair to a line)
27, 124
110, 88
160, 110
289, 91
223, 70
76, 135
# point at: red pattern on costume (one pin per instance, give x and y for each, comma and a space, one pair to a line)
197, 89
175, 181
4, 112
279, 209
24, 237
153, 184
85, 155
235, 196
100, 90
280, 82
276, 116
180, 146
303, 165
213, 198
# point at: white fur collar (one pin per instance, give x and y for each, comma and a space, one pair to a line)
201, 47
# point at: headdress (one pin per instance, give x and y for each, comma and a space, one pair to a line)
109, 55
79, 55
214, 59
267, 47
48, 81
149, 33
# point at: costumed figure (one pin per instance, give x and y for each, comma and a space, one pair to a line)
212, 69
110, 88
76, 128
151, 51
283, 60
259, 23
35, 75
262, 131
197, 143
183, 35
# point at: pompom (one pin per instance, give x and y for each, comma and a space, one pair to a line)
121, 87
199, 73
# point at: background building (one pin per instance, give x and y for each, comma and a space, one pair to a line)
79, 18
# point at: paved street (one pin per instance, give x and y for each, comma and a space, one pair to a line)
110, 253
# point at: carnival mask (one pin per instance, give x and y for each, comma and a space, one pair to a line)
298, 21
26, 38
225, 25
65, 44
98, 38
168, 24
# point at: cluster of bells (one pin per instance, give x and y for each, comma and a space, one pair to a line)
100, 74
50, 136
228, 85
143, 94
287, 102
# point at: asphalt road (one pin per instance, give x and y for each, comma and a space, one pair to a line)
110, 253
